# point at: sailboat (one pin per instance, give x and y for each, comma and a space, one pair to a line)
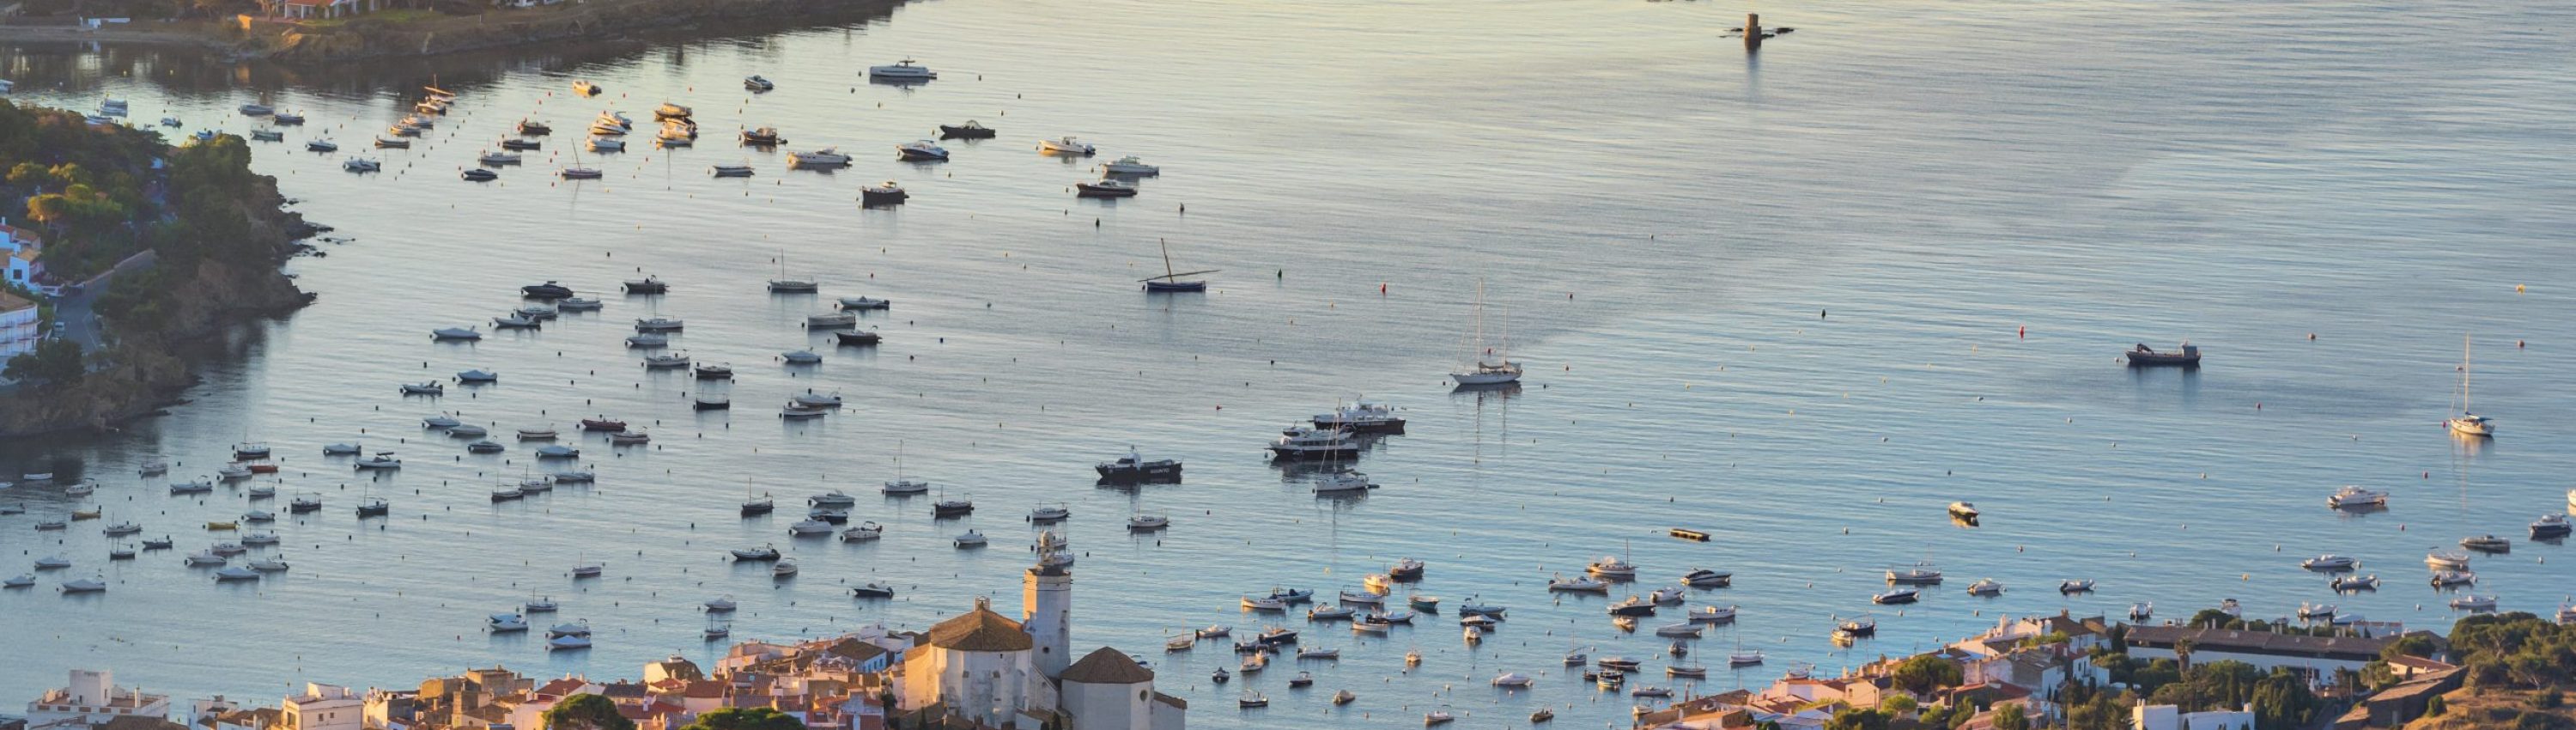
1170, 282
2468, 423
1479, 372
784, 285
901, 485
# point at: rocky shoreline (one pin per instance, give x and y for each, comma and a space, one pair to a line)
151, 370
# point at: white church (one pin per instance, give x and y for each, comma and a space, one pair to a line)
984, 670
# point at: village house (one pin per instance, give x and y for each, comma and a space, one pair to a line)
2317, 657
91, 698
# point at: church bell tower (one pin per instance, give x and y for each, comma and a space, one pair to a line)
1046, 604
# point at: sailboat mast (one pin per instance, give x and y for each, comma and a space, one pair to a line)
1480, 321
1167, 259
2464, 373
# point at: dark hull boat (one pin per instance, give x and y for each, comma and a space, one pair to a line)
548, 290
1159, 286
1130, 468
861, 337
969, 130
2145, 356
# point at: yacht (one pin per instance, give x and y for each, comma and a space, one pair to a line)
872, 590
921, 151
2075, 586
2468, 423
1345, 481
901, 71
2549, 527
1479, 373
2487, 544
1578, 584
885, 193
1364, 417
755, 83
1986, 587
1299, 442
970, 130
2329, 562
1108, 188
730, 170
863, 532
1895, 597
826, 157
1065, 146
1131, 167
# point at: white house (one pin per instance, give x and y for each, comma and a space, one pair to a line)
92, 697
2167, 717
2316, 656
20, 327
324, 707
18, 249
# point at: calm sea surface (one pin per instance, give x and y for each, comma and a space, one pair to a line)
1776, 298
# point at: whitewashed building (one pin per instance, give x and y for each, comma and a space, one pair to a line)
92, 697
324, 707
1108, 690
2169, 717
21, 329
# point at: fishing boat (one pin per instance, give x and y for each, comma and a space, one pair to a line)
1578, 584
2446, 560
2474, 603
498, 158
858, 337
1134, 468
2450, 578
521, 145
730, 170
2329, 562
361, 165
763, 137
534, 128
1896, 597
2144, 356
1478, 372
2487, 544
1633, 605
1171, 283
970, 130
2468, 423
671, 111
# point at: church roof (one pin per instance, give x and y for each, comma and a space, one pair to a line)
980, 630
1107, 666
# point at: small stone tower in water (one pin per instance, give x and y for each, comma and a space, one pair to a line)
1046, 604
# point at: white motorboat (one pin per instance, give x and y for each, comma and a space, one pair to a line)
1148, 522
648, 341
764, 552
809, 527
259, 516
84, 585
902, 71
1301, 442
832, 498
53, 562
537, 433
671, 111
1364, 598
557, 451
574, 476
2355, 497
1132, 167
360, 164
580, 173
567, 643
1578, 584
1104, 188
2142, 611
2550, 527
203, 558
1963, 510
499, 158
235, 573
1049, 513
971, 539
1264, 603
1065, 146
2450, 578
1895, 597
1986, 587
1712, 614
607, 144
22, 580
268, 565
921, 151
341, 449
2355, 583
2316, 611
755, 83
612, 118
872, 589
1916, 574
2474, 603
2329, 562
865, 303
1330, 613
455, 333
825, 157
1666, 596
2075, 586
785, 568
1678, 631
2446, 560
800, 357
863, 532
505, 623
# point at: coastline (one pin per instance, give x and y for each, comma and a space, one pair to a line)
151, 369
366, 37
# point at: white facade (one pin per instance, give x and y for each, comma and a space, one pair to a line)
1109, 706
20, 331
1046, 611
92, 697
2313, 666
324, 707
989, 686
2168, 717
